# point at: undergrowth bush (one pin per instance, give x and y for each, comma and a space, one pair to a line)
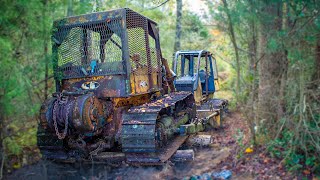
297, 148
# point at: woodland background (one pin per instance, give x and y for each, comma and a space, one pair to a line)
268, 54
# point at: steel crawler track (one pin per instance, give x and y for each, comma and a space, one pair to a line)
141, 139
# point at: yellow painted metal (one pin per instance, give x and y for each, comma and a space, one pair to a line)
198, 94
217, 84
139, 81
132, 84
94, 78
155, 80
218, 120
211, 96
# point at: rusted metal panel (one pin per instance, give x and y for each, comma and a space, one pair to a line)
92, 17
75, 114
159, 104
134, 100
104, 86
157, 158
183, 155
109, 157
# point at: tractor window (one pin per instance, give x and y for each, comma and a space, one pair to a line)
214, 66
185, 65
203, 65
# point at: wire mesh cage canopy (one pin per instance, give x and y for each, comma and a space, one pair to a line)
115, 42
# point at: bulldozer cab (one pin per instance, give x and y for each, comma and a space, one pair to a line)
196, 71
114, 54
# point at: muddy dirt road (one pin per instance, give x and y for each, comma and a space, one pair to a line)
207, 159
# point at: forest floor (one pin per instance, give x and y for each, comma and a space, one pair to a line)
229, 151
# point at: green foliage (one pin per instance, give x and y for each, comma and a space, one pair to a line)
22, 138
12, 146
239, 138
289, 148
273, 45
291, 36
23, 38
192, 23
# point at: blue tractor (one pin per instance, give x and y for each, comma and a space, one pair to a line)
196, 72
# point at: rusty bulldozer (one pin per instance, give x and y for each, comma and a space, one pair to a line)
116, 96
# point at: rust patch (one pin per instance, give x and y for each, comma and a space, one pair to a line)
133, 100
107, 86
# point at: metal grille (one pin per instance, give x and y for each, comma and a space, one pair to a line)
144, 57
90, 49
155, 54
101, 44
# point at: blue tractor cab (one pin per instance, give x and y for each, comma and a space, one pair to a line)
196, 71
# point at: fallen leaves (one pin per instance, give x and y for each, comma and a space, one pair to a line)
249, 162
306, 172
266, 160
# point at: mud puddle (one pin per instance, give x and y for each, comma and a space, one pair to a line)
205, 160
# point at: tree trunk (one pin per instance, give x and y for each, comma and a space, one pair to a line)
316, 76
253, 41
235, 46
271, 67
178, 26
284, 67
253, 73
45, 49
2, 152
99, 6
70, 8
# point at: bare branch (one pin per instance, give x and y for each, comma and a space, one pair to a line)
293, 31
159, 5
246, 51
